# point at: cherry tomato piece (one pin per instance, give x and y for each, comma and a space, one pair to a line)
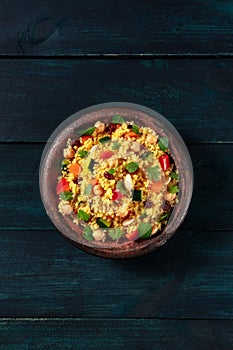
62, 186
132, 236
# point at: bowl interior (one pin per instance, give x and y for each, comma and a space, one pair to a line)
72, 128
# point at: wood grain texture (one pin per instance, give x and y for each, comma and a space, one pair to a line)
42, 275
21, 206
100, 27
195, 95
125, 334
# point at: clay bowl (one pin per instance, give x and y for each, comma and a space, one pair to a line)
51, 163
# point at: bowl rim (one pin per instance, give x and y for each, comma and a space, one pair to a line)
134, 249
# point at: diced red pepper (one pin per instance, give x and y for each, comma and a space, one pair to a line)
62, 186
164, 162
117, 195
132, 236
85, 138
106, 154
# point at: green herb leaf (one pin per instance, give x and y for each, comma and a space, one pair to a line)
67, 195
144, 230
104, 139
173, 189
89, 131
83, 216
111, 171
88, 189
135, 129
137, 195
145, 155
87, 233
132, 167
154, 173
120, 186
82, 153
117, 119
103, 223
163, 143
115, 233
174, 175
115, 145
164, 216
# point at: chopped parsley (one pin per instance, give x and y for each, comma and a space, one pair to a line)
67, 195
174, 175
115, 145
115, 233
132, 167
87, 233
173, 189
154, 173
111, 171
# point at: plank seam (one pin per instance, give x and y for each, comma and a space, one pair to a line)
113, 56
45, 319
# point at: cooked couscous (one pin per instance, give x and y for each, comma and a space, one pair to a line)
118, 182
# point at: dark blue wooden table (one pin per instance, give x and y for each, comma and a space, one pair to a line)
57, 58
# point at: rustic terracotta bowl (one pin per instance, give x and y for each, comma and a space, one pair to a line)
51, 163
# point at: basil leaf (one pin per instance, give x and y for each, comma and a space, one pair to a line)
117, 119
88, 189
111, 171
89, 131
120, 186
163, 143
67, 195
132, 167
104, 139
154, 173
135, 129
174, 175
83, 216
144, 230
82, 153
115, 233
173, 189
87, 233
115, 145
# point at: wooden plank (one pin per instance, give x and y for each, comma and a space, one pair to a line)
191, 276
115, 334
21, 207
195, 95
101, 27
